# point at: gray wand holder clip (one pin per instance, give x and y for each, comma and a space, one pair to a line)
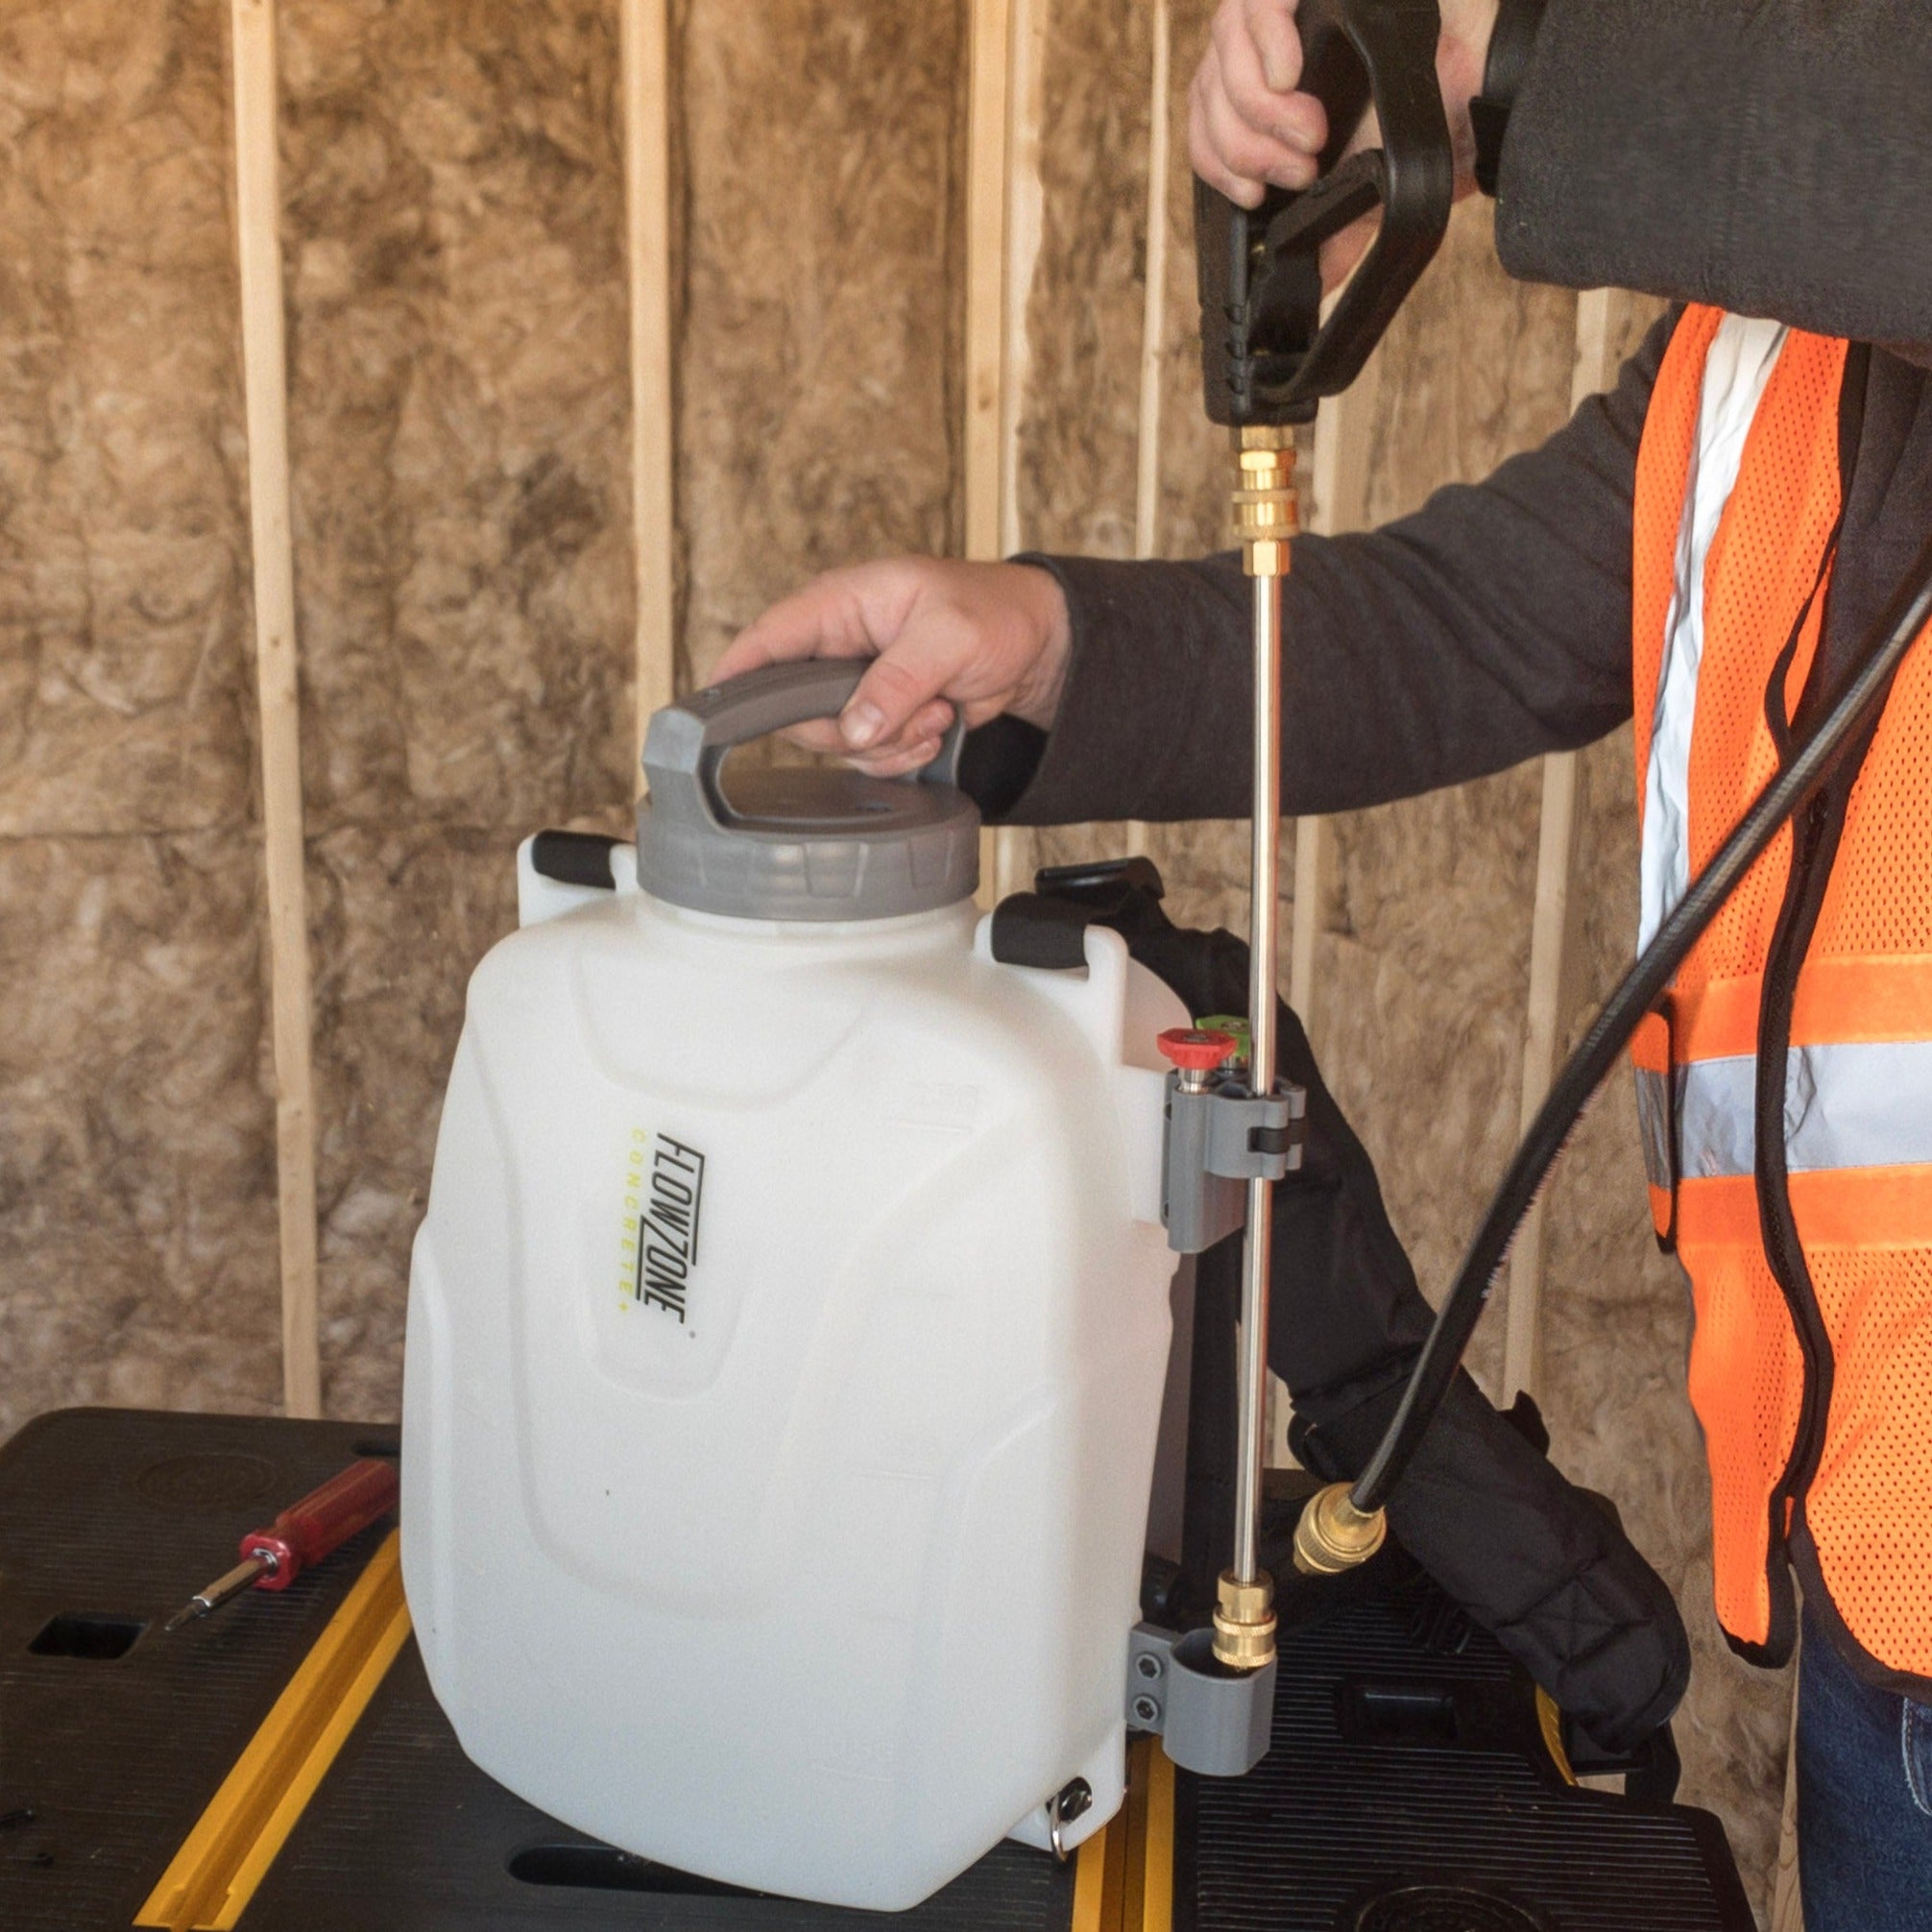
1217, 1138
1211, 1720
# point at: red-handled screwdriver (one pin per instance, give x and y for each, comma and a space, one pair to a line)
304, 1533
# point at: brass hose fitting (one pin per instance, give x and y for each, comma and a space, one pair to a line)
1334, 1535
1266, 504
1244, 1622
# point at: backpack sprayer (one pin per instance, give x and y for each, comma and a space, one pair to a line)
777, 1208
1268, 359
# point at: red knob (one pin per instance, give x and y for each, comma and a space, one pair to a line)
1194, 1050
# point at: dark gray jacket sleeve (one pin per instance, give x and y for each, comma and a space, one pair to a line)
1490, 626
1769, 157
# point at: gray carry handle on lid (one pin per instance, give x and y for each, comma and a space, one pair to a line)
796, 843
691, 738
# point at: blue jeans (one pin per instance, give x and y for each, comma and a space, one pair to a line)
1864, 1799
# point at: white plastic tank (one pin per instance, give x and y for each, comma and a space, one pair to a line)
786, 1335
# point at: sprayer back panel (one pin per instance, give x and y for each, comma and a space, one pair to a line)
787, 1337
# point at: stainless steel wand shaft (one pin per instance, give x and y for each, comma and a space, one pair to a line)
1266, 518
1264, 870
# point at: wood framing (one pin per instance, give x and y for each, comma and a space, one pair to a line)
1025, 219
989, 80
1153, 304
1154, 318
1549, 923
1012, 868
1603, 326
1343, 434
1003, 241
1603, 319
265, 385
989, 83
644, 32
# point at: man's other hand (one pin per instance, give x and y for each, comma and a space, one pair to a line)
981, 638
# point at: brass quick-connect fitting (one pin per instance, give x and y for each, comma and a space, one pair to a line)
1334, 1535
1244, 1622
1267, 505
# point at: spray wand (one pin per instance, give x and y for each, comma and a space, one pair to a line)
1267, 358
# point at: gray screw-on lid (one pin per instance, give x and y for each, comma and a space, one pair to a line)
805, 843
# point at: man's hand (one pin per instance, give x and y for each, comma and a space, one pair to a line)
1249, 126
982, 638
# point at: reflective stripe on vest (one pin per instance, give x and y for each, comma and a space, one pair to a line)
1857, 1104
1737, 503
1736, 370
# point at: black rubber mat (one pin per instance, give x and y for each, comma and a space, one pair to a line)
1407, 1790
113, 1737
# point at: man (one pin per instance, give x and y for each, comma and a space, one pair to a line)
1709, 545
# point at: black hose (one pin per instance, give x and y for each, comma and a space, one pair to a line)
1809, 765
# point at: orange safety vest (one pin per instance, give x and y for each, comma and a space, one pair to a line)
1811, 1371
